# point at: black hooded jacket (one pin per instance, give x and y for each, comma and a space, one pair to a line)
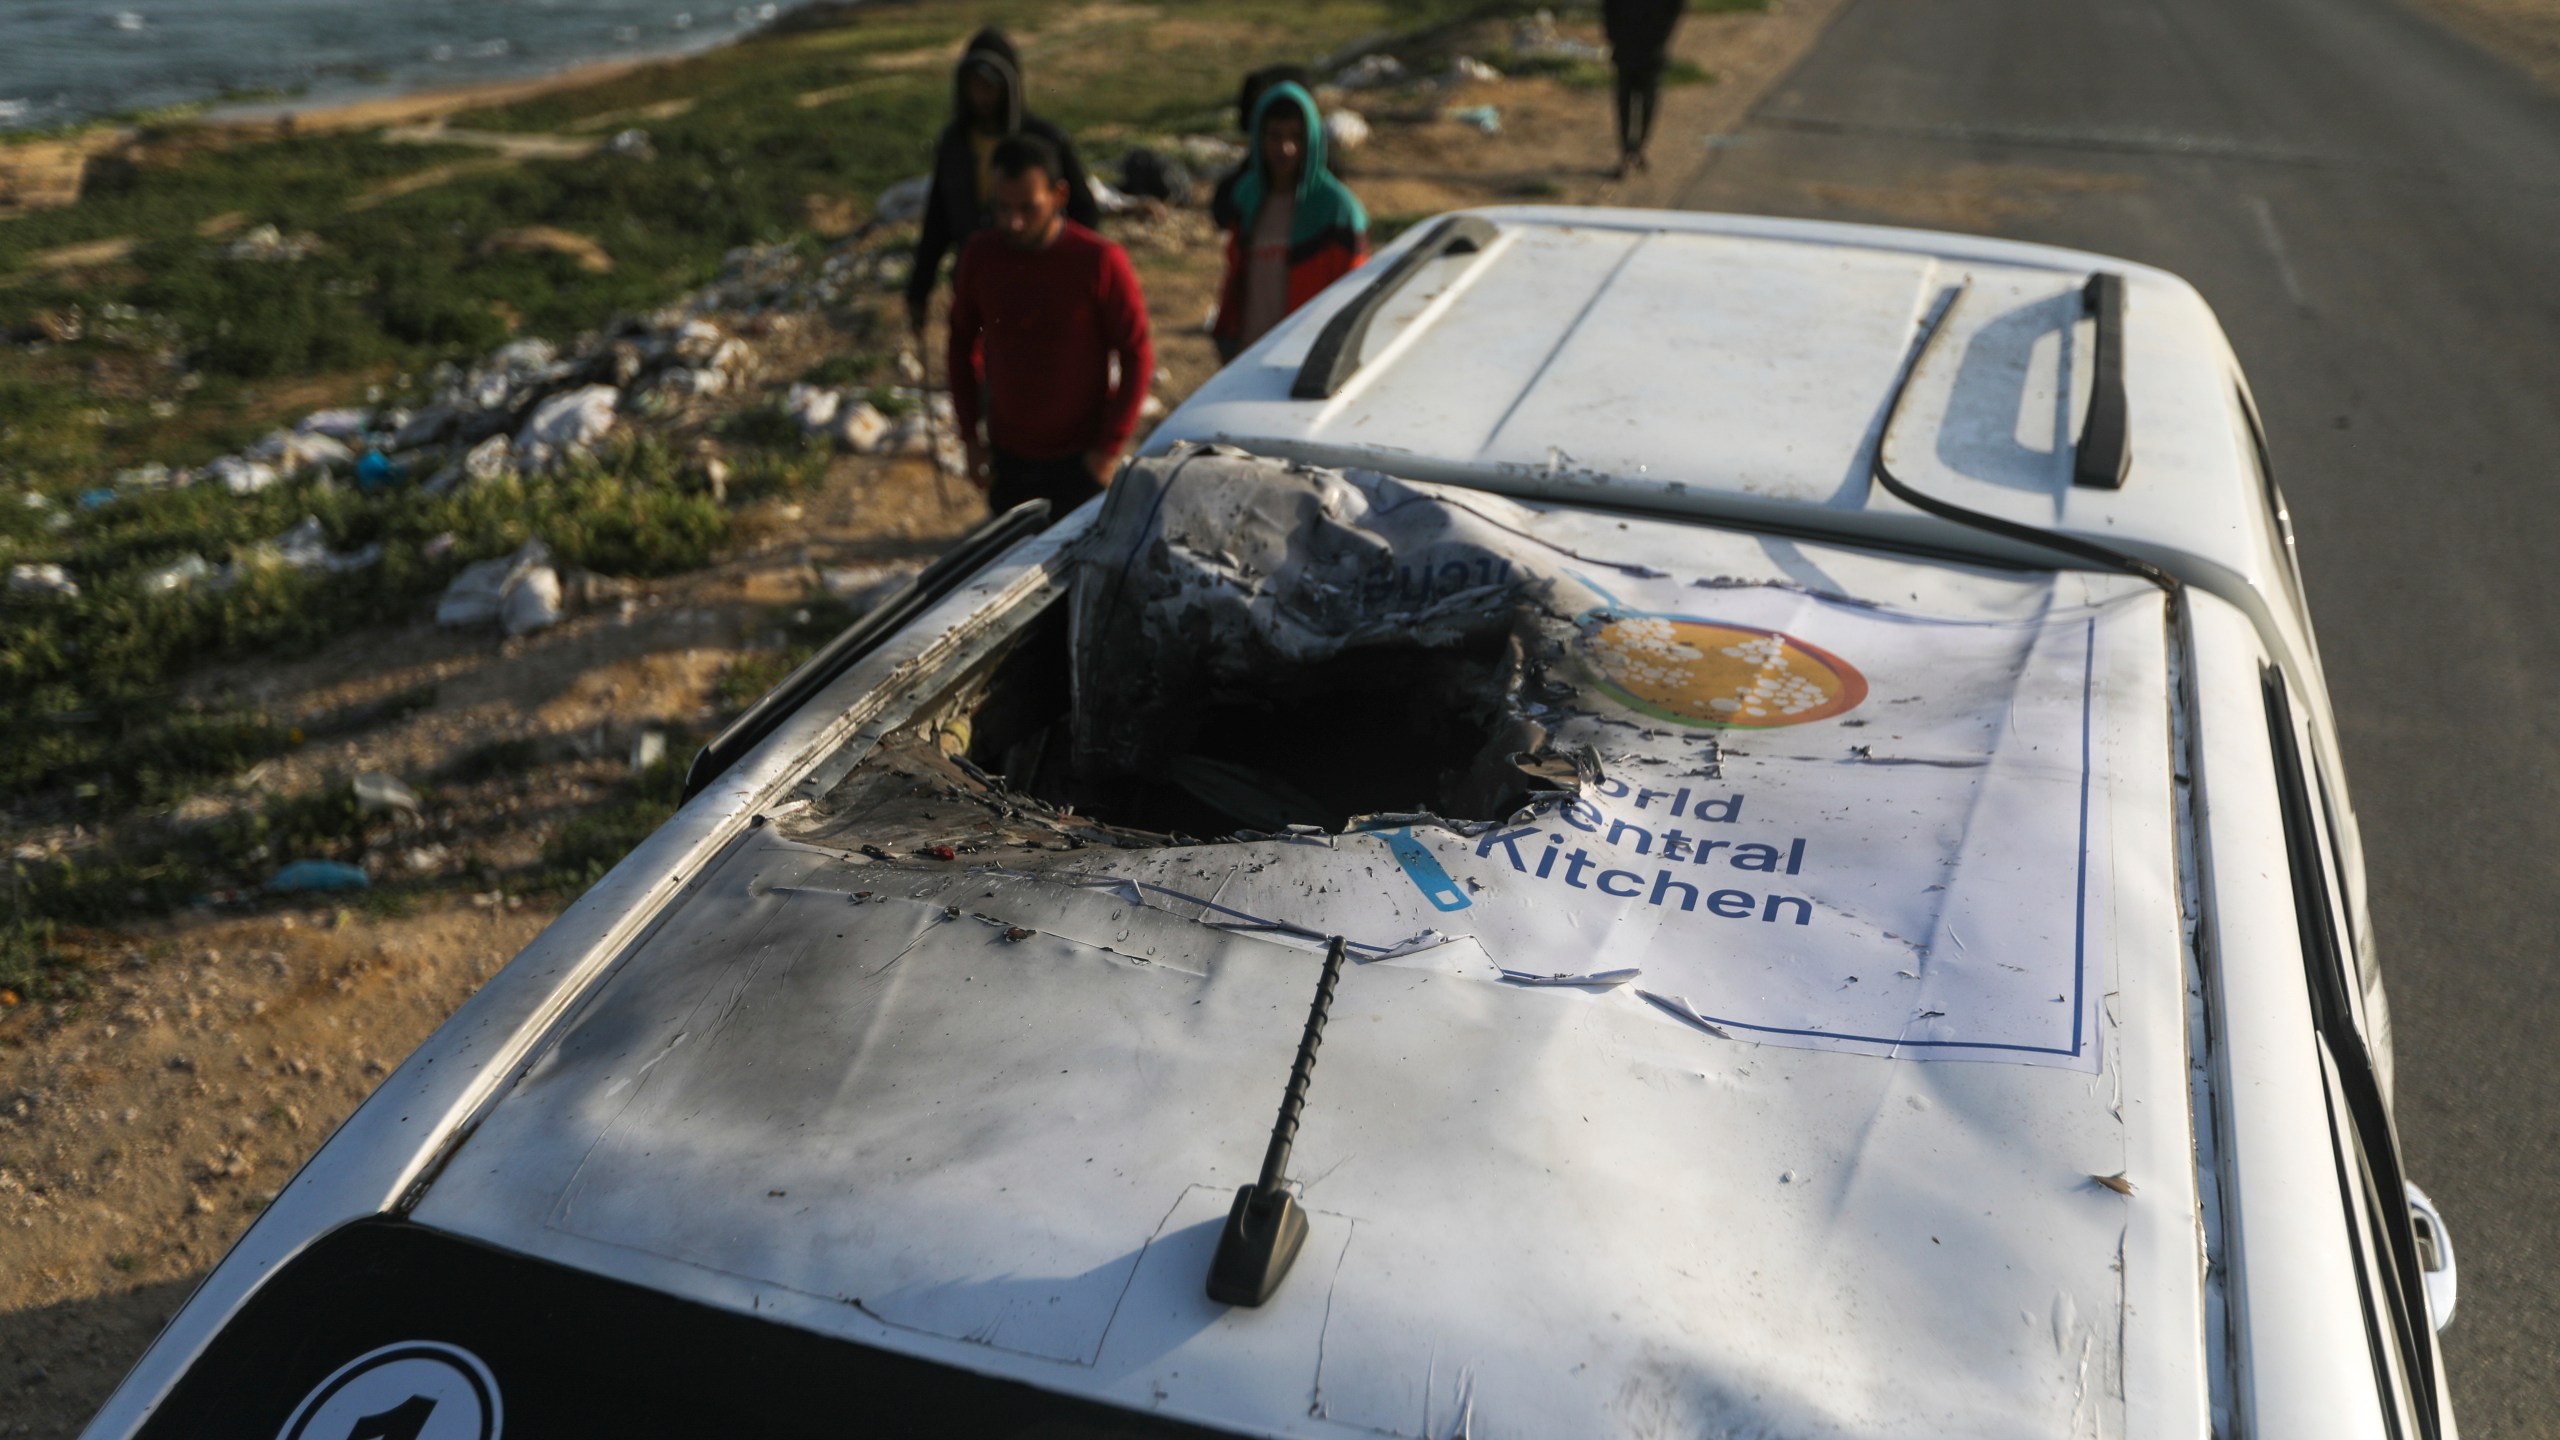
1639, 32
953, 208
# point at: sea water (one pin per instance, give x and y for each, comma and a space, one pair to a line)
68, 60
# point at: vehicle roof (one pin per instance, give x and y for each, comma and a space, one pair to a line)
991, 1113
1741, 366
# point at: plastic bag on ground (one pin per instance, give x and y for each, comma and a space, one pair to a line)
812, 407
1369, 72
242, 476
568, 423
184, 573
42, 580
862, 428
533, 602
480, 591
306, 547
1345, 130
344, 423
378, 791
318, 875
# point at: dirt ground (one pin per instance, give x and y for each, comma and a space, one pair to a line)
2524, 32
143, 1126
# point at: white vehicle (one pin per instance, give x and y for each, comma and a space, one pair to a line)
1784, 768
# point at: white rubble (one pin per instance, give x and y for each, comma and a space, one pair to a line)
42, 579
812, 407
184, 573
903, 201
479, 593
862, 428
378, 792
242, 476
532, 603
570, 423
1369, 72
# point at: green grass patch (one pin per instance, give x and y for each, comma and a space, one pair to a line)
86, 700
581, 851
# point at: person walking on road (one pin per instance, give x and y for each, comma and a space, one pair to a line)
987, 106
1049, 340
1639, 46
1298, 228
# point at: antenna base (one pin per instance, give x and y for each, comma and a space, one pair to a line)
1265, 1230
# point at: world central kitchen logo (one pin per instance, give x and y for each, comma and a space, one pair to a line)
1712, 673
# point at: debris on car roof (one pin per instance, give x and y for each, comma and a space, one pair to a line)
1305, 701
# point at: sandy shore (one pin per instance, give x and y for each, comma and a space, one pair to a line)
415, 106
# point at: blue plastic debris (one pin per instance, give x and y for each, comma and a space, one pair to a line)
97, 499
318, 875
377, 470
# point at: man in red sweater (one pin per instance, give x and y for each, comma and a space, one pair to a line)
1049, 341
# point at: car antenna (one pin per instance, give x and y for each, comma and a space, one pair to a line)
1267, 1227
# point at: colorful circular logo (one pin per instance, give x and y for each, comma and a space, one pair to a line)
1701, 672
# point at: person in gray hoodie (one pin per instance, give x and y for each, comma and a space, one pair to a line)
986, 106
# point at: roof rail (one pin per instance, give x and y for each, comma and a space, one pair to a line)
2104, 453
861, 638
1335, 356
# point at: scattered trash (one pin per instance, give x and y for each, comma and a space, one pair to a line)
292, 453
346, 423
241, 476
569, 423
1345, 130
1467, 69
265, 244
862, 428
42, 580
812, 407
1483, 117
97, 499
377, 791
1153, 175
306, 547
1369, 72
631, 145
310, 875
532, 603
648, 749
479, 593
184, 573
1108, 199
903, 201
491, 459
377, 471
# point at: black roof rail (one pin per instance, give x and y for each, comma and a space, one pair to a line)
863, 636
2105, 452
1336, 354
1934, 324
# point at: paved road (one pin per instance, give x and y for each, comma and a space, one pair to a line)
2373, 207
